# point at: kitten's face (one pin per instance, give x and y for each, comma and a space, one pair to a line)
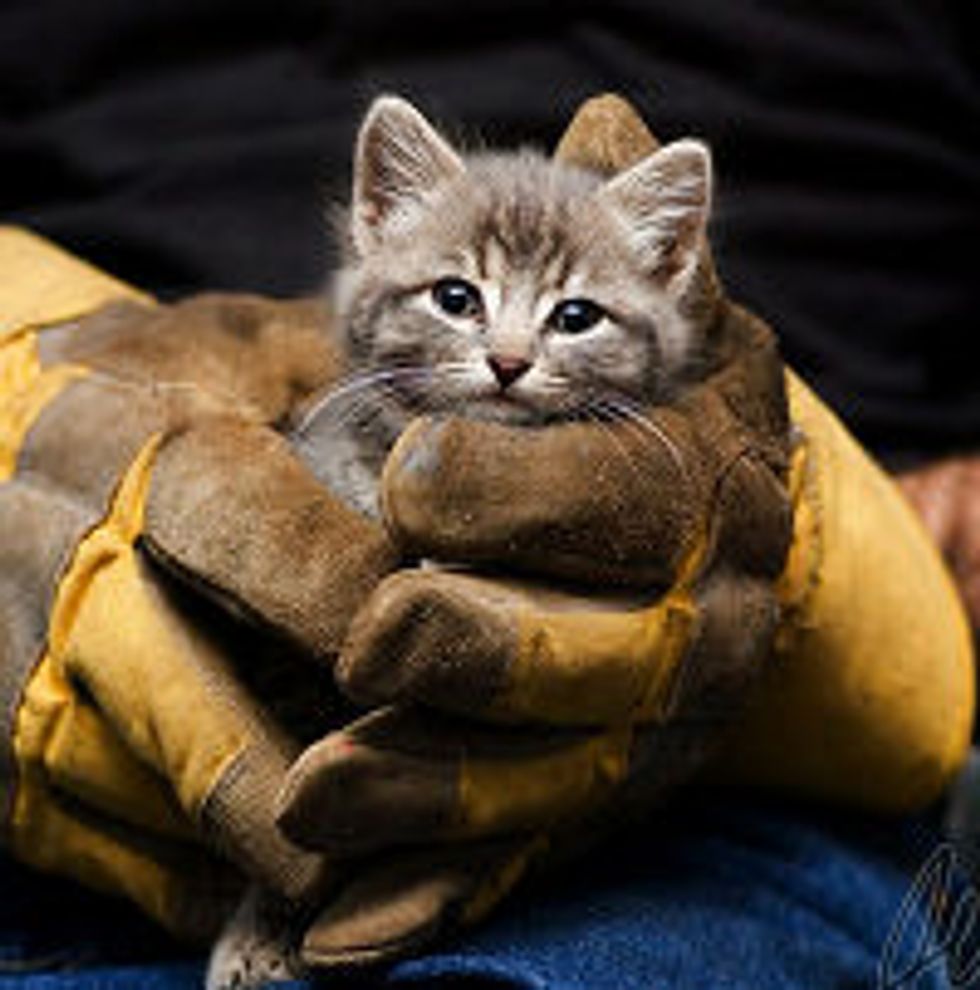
513, 288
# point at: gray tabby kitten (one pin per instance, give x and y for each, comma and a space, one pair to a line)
507, 287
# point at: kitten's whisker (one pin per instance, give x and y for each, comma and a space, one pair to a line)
609, 433
352, 387
599, 417
452, 370
642, 426
368, 378
356, 386
362, 409
364, 406
630, 413
558, 386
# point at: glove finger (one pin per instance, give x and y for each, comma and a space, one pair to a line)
511, 653
403, 900
616, 504
401, 776
180, 884
400, 904
232, 510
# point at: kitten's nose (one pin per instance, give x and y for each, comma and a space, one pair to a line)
507, 369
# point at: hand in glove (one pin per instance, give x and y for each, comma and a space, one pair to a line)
136, 473
522, 718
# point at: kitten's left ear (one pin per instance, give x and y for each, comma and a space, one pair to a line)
400, 160
662, 203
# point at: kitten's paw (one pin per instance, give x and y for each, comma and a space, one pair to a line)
247, 965
255, 947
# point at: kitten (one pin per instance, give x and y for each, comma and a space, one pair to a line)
507, 287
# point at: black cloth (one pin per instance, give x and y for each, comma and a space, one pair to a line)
193, 144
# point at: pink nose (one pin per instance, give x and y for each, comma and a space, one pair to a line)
507, 369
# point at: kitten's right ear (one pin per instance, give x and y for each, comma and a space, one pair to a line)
400, 160
662, 204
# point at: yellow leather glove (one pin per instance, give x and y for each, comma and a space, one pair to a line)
542, 714
136, 472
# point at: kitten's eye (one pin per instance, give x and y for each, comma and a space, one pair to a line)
457, 297
576, 315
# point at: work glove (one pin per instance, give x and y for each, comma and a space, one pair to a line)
515, 718
146, 508
706, 583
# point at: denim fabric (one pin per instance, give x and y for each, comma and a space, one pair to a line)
718, 893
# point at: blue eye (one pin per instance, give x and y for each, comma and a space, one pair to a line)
576, 315
457, 297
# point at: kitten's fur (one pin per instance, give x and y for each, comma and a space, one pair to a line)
527, 233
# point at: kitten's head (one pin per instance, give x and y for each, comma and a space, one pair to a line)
514, 287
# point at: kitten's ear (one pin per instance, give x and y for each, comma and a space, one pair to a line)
400, 159
662, 203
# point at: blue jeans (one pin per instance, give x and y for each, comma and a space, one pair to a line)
719, 892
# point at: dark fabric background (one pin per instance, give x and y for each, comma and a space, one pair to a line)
192, 144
